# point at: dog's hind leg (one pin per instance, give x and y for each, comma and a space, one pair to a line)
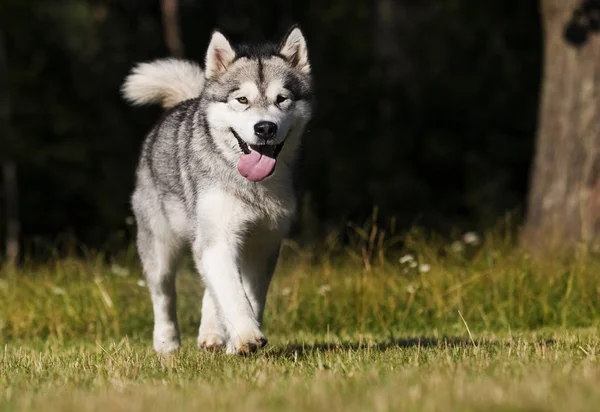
212, 333
158, 253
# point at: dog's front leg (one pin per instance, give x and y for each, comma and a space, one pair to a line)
258, 263
212, 334
218, 262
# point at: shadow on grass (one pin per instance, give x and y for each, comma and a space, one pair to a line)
300, 349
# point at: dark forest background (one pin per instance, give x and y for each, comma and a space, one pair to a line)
426, 109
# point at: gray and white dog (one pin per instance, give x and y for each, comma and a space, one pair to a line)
216, 174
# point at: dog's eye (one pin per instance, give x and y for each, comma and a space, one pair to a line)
281, 99
242, 100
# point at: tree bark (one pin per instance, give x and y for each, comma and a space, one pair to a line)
172, 32
564, 198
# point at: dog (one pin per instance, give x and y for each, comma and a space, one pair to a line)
216, 175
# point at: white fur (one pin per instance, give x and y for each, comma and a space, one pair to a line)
167, 82
242, 118
232, 251
212, 333
158, 255
233, 261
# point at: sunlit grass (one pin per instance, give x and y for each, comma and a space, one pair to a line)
471, 323
495, 286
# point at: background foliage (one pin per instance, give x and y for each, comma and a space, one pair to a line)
433, 124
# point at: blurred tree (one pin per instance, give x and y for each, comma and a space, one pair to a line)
9, 167
425, 109
564, 201
171, 27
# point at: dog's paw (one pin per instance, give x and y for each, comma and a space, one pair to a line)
246, 344
211, 341
166, 346
166, 339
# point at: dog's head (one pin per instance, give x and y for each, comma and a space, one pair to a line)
258, 100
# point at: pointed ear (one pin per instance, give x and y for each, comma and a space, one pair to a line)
219, 55
293, 48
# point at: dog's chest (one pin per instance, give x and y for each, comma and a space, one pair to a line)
233, 211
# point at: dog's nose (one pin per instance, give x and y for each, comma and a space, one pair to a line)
265, 130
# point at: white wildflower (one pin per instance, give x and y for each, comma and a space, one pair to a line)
413, 264
58, 291
471, 238
286, 291
119, 270
324, 289
411, 288
141, 283
424, 268
407, 259
457, 246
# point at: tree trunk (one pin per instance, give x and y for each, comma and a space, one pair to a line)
564, 199
172, 32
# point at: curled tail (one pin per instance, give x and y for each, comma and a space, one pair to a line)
167, 82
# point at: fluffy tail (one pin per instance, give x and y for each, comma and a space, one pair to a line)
167, 82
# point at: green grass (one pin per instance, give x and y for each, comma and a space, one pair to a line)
483, 328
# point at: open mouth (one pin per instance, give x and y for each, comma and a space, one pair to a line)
257, 161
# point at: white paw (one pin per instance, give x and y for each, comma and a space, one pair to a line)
166, 340
246, 343
211, 341
164, 346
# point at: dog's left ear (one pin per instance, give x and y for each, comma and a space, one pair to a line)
293, 48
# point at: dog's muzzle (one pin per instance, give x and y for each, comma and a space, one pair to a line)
269, 150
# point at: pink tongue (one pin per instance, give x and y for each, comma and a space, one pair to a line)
255, 166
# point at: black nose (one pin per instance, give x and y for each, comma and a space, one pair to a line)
265, 130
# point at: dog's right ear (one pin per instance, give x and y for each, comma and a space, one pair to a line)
219, 55
293, 47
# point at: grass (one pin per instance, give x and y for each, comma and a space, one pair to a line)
439, 327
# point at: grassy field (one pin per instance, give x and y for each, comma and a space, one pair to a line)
474, 324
